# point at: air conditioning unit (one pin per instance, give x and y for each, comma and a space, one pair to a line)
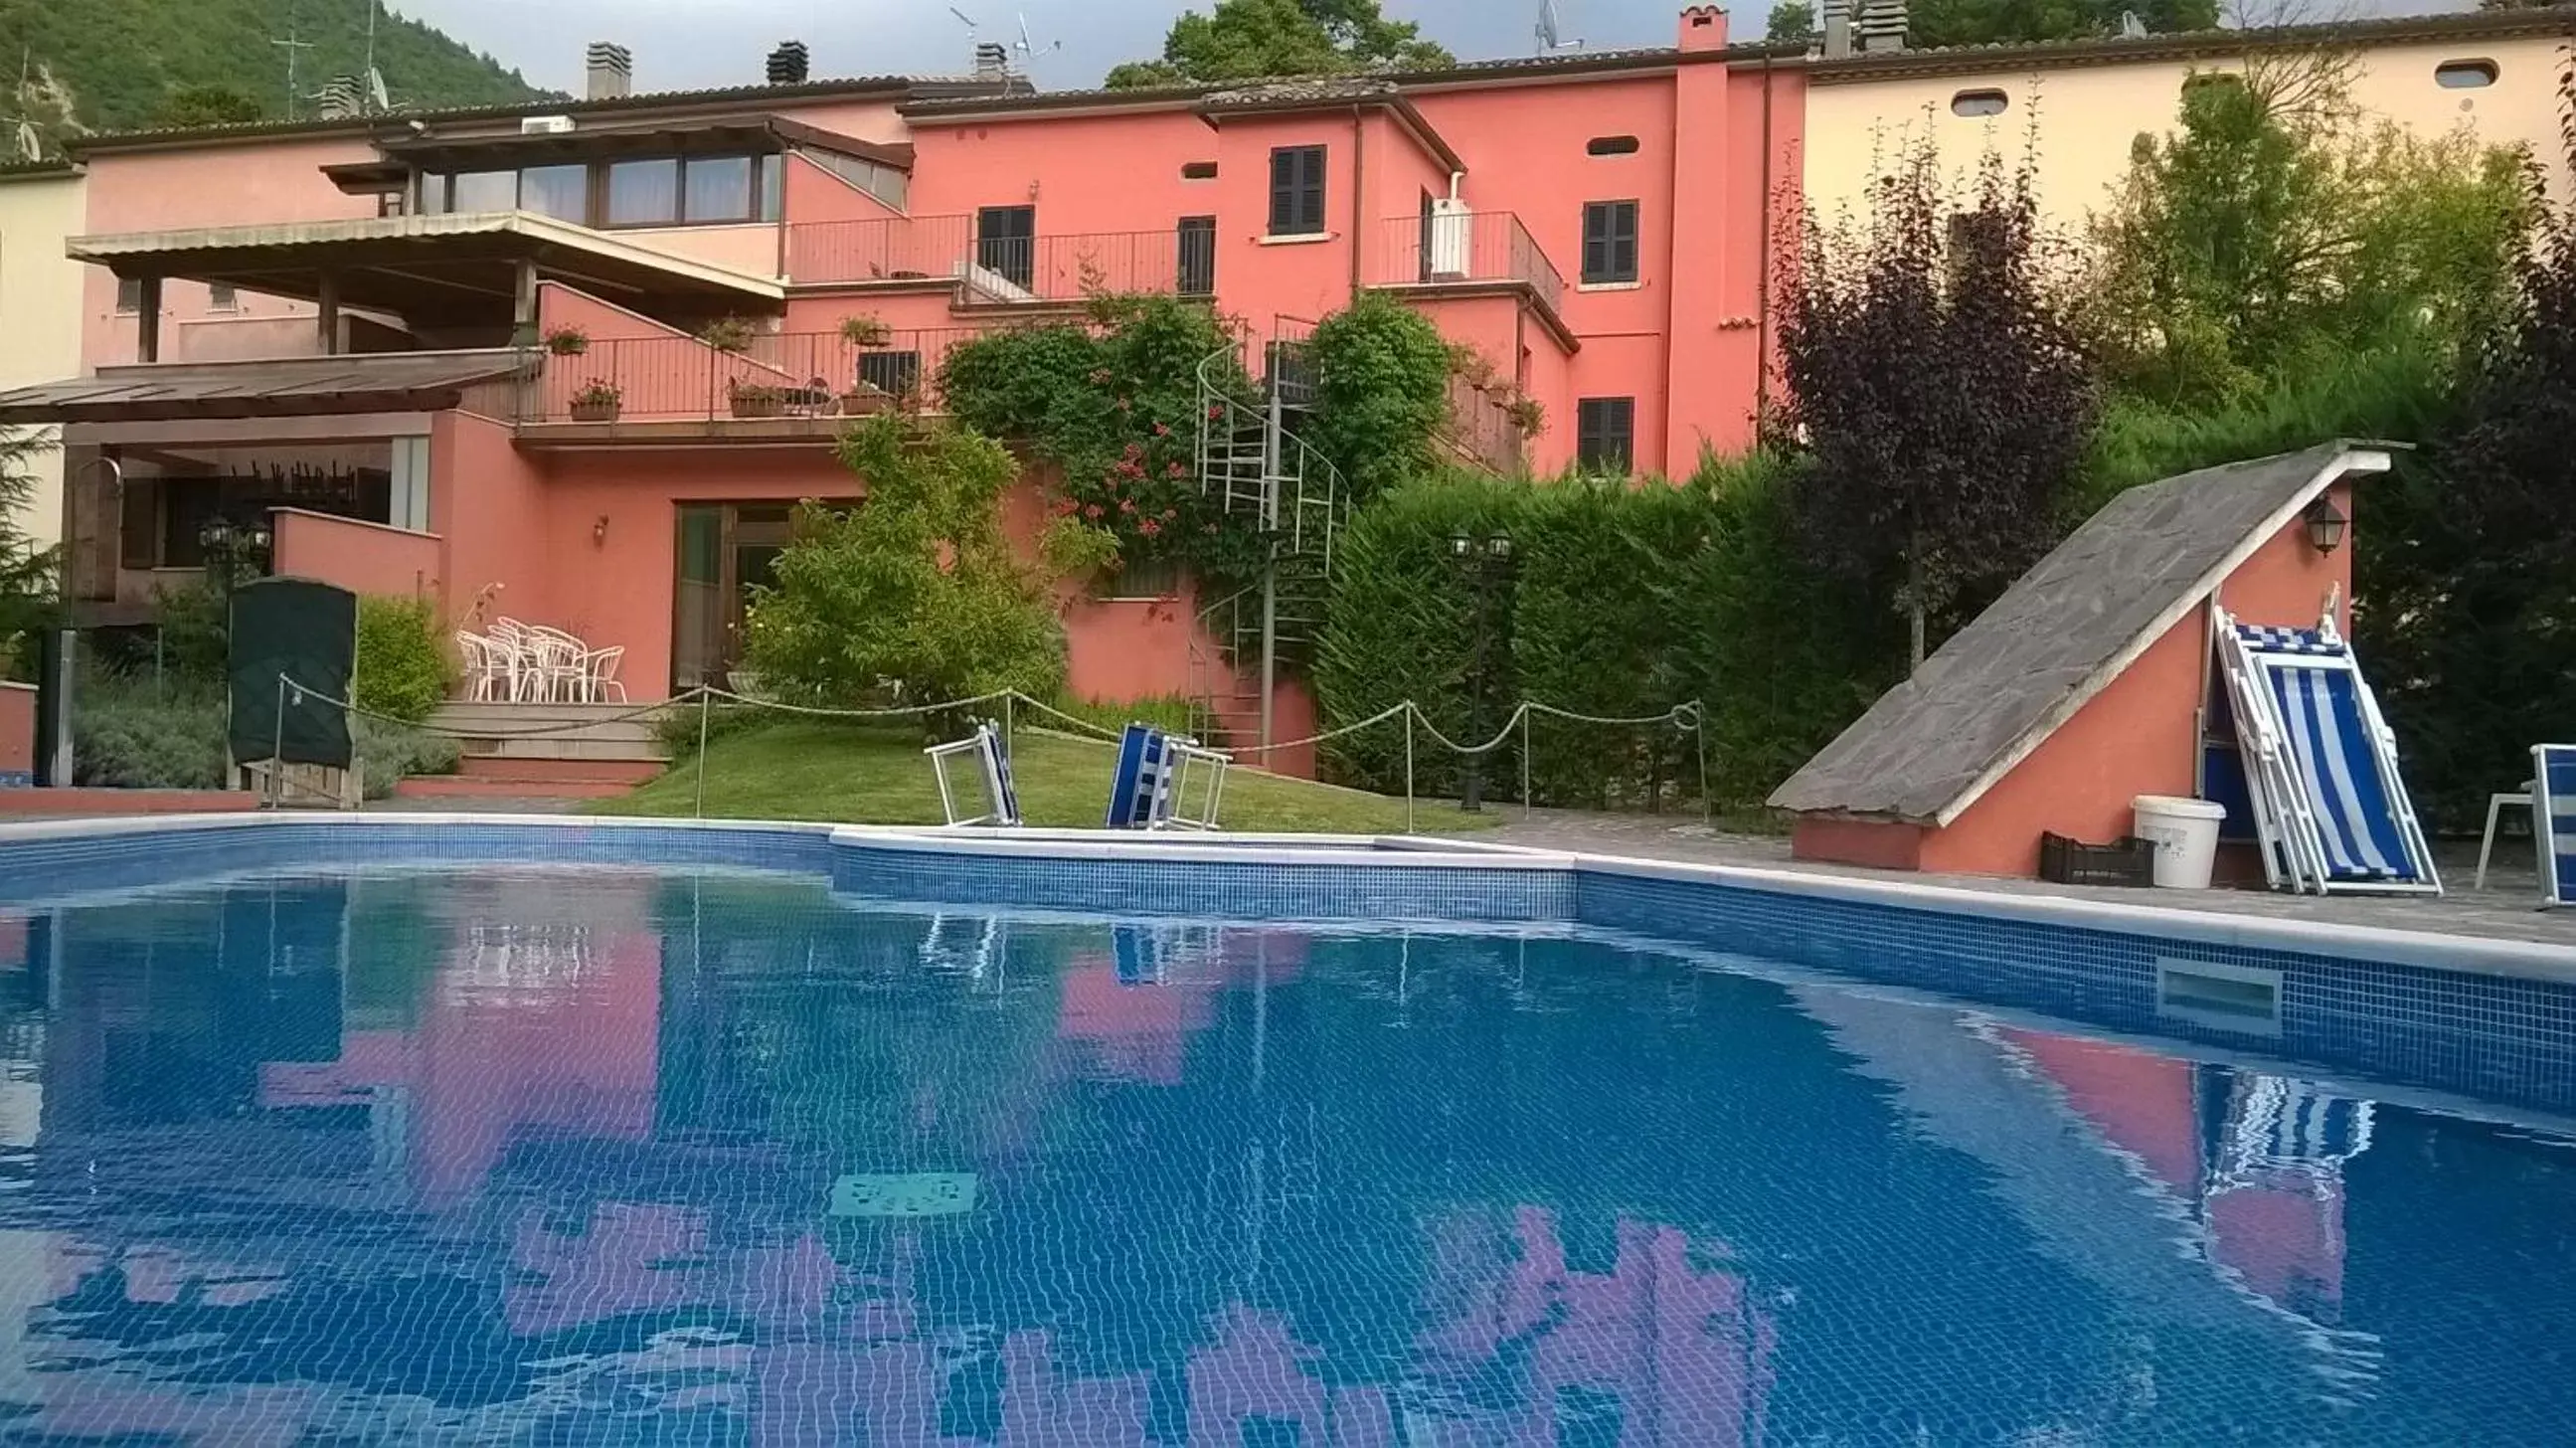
1451, 225
545, 125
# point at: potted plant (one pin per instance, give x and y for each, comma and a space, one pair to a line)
865, 399
598, 401
1527, 414
567, 341
728, 334
866, 331
752, 399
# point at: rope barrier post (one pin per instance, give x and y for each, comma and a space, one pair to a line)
1408, 766
1010, 719
277, 744
1699, 733
704, 697
1526, 711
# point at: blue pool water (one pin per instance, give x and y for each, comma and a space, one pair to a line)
597, 1156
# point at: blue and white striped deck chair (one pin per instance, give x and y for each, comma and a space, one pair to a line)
993, 766
1140, 793
2553, 819
2321, 764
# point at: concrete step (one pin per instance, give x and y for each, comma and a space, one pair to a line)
557, 747
523, 715
452, 786
499, 767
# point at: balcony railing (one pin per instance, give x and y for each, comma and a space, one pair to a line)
1467, 246
785, 374
1000, 270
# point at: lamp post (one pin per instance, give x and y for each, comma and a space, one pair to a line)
1487, 563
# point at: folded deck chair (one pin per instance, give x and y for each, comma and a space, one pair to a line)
993, 764
2320, 763
1140, 793
2553, 820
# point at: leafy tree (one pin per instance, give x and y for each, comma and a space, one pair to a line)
1381, 392
1791, 20
205, 105
1937, 386
2468, 588
1251, 39
2272, 230
917, 587
27, 596
1989, 22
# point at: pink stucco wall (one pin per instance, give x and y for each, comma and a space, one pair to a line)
364, 558
17, 728
253, 183
486, 500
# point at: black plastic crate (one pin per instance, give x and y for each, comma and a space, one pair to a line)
2127, 861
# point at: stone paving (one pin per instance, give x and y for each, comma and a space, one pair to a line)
2507, 909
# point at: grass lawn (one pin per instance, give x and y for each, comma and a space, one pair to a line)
857, 774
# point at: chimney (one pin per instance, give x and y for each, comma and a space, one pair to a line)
1836, 24
341, 98
1882, 25
992, 61
1703, 28
612, 72
788, 64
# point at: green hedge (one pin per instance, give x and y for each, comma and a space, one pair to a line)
1623, 601
403, 670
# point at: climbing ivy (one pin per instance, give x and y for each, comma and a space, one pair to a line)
1112, 402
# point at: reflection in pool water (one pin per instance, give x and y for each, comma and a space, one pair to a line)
551, 1156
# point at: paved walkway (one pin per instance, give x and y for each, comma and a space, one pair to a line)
2505, 910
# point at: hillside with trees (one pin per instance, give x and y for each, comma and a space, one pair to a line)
106, 65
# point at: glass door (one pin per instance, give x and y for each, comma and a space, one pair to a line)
727, 553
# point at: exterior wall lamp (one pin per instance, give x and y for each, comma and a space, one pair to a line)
2326, 525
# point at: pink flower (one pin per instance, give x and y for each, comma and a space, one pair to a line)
1162, 429
1099, 376
1127, 505
1092, 511
1126, 406
1175, 471
1149, 527
1171, 512
1064, 506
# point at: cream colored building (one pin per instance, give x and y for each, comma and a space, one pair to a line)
40, 309
2080, 105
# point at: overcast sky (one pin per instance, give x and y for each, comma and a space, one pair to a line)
682, 44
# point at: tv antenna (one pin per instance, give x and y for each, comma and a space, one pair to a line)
966, 20
294, 49
1549, 42
1028, 49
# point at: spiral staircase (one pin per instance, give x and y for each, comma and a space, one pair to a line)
1255, 465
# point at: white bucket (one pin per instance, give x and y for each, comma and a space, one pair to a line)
2186, 836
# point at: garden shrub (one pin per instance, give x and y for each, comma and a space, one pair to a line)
1381, 393
387, 753
1170, 713
918, 590
1400, 626
130, 731
1624, 602
402, 667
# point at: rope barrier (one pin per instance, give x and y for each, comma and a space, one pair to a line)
1688, 716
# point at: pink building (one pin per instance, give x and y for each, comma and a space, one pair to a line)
332, 332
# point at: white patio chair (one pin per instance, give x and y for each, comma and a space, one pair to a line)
480, 662
599, 674
511, 646
555, 658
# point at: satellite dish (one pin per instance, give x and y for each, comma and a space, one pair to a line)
1549, 39
2131, 27
376, 90
31, 147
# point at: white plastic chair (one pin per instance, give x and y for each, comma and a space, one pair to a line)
599, 674
481, 664
2497, 804
511, 644
555, 658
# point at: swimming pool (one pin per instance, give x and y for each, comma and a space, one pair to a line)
450, 1148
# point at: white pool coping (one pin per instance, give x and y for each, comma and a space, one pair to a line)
2430, 950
